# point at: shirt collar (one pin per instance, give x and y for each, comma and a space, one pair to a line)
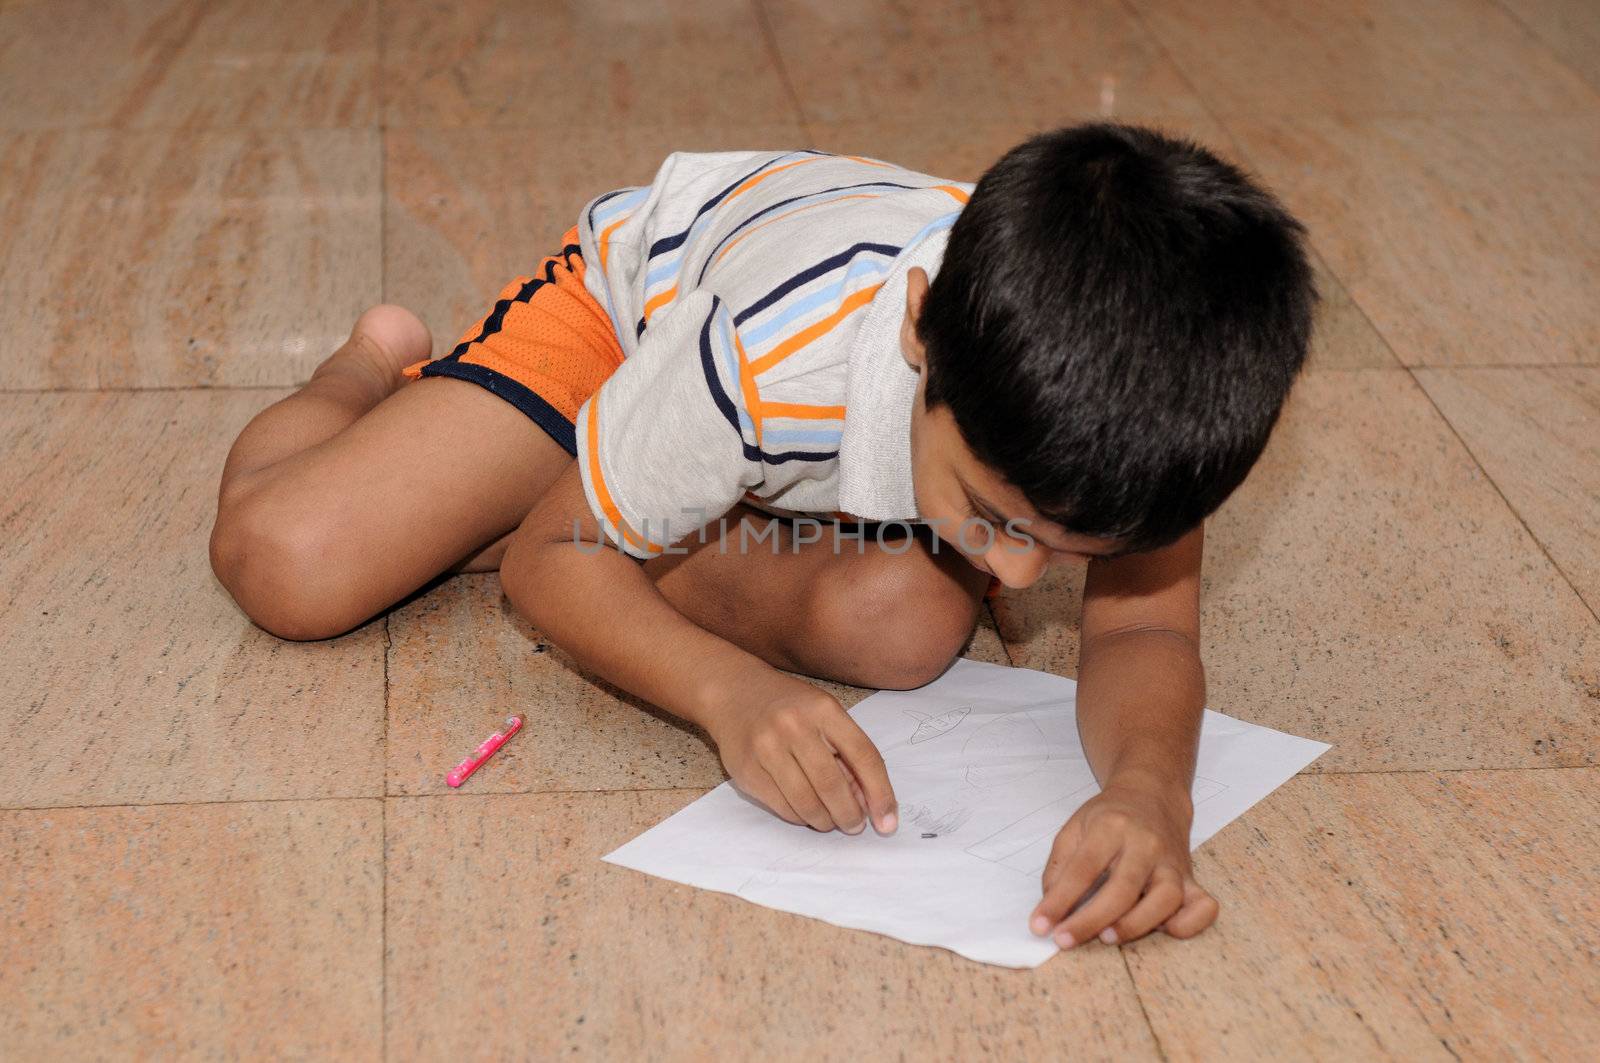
875, 481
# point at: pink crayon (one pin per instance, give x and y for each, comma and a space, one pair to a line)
463, 771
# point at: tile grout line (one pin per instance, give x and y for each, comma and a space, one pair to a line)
1138, 997
1448, 771
994, 618
158, 389
203, 803
770, 37
155, 388
699, 787
383, 856
380, 62
1490, 480
529, 125
1205, 108
1537, 39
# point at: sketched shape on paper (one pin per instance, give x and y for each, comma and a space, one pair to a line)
930, 820
991, 753
934, 726
1024, 844
807, 855
1205, 789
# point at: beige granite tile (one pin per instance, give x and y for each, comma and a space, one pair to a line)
461, 660
1466, 239
1368, 587
191, 63
962, 151
172, 258
596, 65
457, 234
1333, 56
1536, 432
958, 151
1342, 337
507, 933
1570, 28
128, 674
232, 931
966, 64
1411, 916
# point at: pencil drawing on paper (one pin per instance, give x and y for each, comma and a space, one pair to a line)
808, 854
990, 752
931, 820
934, 726
1024, 844
1205, 789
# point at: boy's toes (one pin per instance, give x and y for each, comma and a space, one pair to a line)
395, 334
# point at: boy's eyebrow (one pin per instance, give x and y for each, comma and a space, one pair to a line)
992, 512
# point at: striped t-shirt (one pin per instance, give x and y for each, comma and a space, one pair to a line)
758, 297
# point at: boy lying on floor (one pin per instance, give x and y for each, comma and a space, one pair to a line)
793, 412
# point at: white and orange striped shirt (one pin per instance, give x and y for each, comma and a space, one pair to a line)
758, 297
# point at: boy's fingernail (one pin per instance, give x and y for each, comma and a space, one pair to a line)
890, 822
1039, 925
1109, 935
1064, 939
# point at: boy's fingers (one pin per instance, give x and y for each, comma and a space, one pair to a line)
1198, 912
866, 764
1066, 843
855, 787
1163, 898
1115, 899
797, 791
773, 798
830, 784
1077, 873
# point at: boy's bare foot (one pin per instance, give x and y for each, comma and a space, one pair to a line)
385, 340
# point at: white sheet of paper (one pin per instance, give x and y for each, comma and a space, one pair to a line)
987, 766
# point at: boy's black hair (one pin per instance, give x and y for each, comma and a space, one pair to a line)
1116, 323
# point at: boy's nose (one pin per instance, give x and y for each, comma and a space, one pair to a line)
1017, 568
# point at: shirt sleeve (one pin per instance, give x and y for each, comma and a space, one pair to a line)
666, 444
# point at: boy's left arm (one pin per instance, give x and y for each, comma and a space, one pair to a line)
1141, 694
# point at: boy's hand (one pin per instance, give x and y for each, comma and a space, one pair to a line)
793, 747
1138, 842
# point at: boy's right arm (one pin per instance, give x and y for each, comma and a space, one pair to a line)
785, 742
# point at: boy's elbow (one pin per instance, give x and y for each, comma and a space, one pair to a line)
534, 572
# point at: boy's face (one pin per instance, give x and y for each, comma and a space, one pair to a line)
969, 505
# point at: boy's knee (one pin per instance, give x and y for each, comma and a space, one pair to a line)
270, 557
910, 618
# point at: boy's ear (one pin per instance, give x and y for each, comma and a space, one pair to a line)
916, 291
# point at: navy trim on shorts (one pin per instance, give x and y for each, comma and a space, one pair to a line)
524, 398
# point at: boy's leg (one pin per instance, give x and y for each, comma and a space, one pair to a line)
350, 494
348, 384
891, 615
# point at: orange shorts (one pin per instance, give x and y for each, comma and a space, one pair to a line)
545, 347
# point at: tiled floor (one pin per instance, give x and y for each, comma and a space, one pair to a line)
213, 843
